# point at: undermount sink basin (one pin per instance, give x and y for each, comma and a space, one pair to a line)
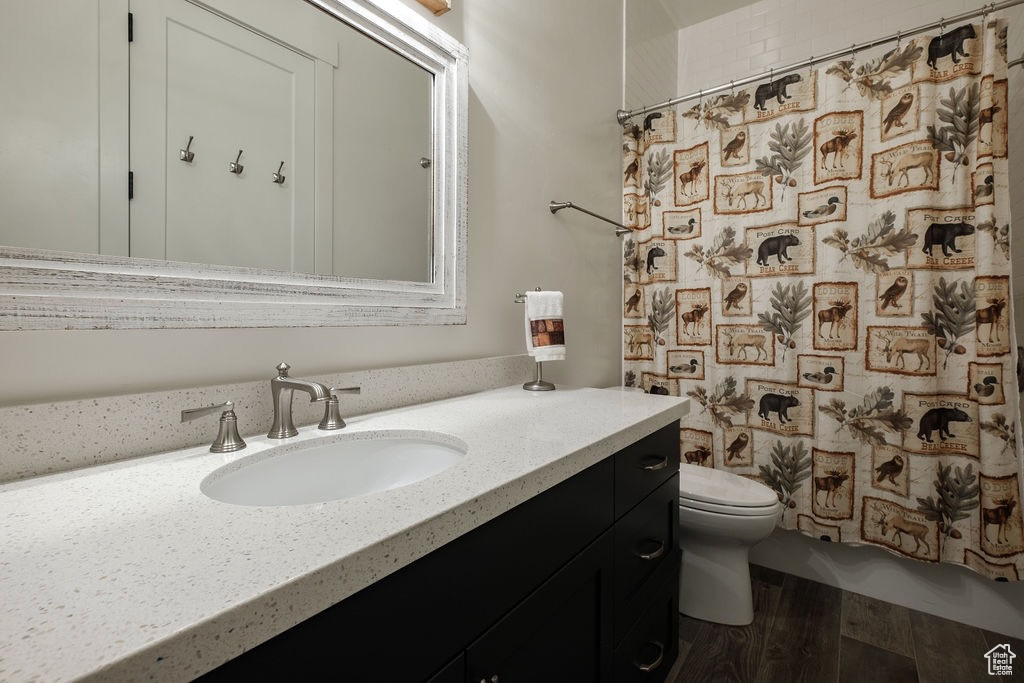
333, 468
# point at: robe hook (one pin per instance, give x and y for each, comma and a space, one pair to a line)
235, 167
278, 177
186, 154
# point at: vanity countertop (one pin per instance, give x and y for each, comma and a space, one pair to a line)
128, 572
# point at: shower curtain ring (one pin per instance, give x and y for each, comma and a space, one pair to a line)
732, 87
899, 39
942, 26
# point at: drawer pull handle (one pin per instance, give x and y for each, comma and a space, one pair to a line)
654, 554
660, 464
646, 668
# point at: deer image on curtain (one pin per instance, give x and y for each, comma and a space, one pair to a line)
822, 263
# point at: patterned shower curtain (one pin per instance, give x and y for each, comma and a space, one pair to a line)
822, 263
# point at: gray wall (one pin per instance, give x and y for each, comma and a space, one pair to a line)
543, 95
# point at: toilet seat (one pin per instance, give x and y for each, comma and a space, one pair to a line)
711, 490
731, 510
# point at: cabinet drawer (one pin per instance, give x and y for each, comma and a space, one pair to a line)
645, 465
650, 647
645, 538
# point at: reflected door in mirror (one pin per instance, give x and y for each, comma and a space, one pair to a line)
351, 119
63, 127
382, 163
242, 99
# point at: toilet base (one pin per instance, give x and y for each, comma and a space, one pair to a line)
715, 586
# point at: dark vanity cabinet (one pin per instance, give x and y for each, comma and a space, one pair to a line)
579, 583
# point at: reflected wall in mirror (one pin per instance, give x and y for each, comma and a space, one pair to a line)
310, 154
203, 84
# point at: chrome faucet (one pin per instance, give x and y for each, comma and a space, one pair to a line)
281, 390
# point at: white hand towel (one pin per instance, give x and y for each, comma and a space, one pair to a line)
545, 328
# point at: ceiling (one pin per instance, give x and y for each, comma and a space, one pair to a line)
688, 12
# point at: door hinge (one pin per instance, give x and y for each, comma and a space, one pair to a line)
131, 27
131, 184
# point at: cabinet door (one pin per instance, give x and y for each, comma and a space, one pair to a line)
562, 632
453, 672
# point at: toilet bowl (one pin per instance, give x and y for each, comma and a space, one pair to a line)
721, 515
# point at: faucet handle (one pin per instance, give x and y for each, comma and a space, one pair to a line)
332, 414
282, 369
227, 440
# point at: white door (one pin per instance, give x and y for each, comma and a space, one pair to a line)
64, 125
197, 74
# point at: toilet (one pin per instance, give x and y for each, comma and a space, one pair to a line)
721, 516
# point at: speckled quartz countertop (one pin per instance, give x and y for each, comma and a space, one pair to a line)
128, 572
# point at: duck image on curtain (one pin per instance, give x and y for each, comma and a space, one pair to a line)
822, 263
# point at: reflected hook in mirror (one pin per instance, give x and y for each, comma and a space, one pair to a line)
187, 155
236, 167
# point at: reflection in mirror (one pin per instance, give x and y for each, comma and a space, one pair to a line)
382, 164
267, 141
202, 84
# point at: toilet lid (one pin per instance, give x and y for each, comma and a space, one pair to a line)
706, 485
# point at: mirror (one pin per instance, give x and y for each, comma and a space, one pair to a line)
293, 163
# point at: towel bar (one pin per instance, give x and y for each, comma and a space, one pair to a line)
620, 229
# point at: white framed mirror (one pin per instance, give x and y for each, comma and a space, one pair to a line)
348, 206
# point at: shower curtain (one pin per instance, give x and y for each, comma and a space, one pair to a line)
822, 263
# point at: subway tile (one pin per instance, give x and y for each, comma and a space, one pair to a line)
778, 42
768, 7
765, 60
765, 32
752, 49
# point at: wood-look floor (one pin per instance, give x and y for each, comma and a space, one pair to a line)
807, 631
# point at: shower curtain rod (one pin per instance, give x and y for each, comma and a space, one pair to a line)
623, 115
